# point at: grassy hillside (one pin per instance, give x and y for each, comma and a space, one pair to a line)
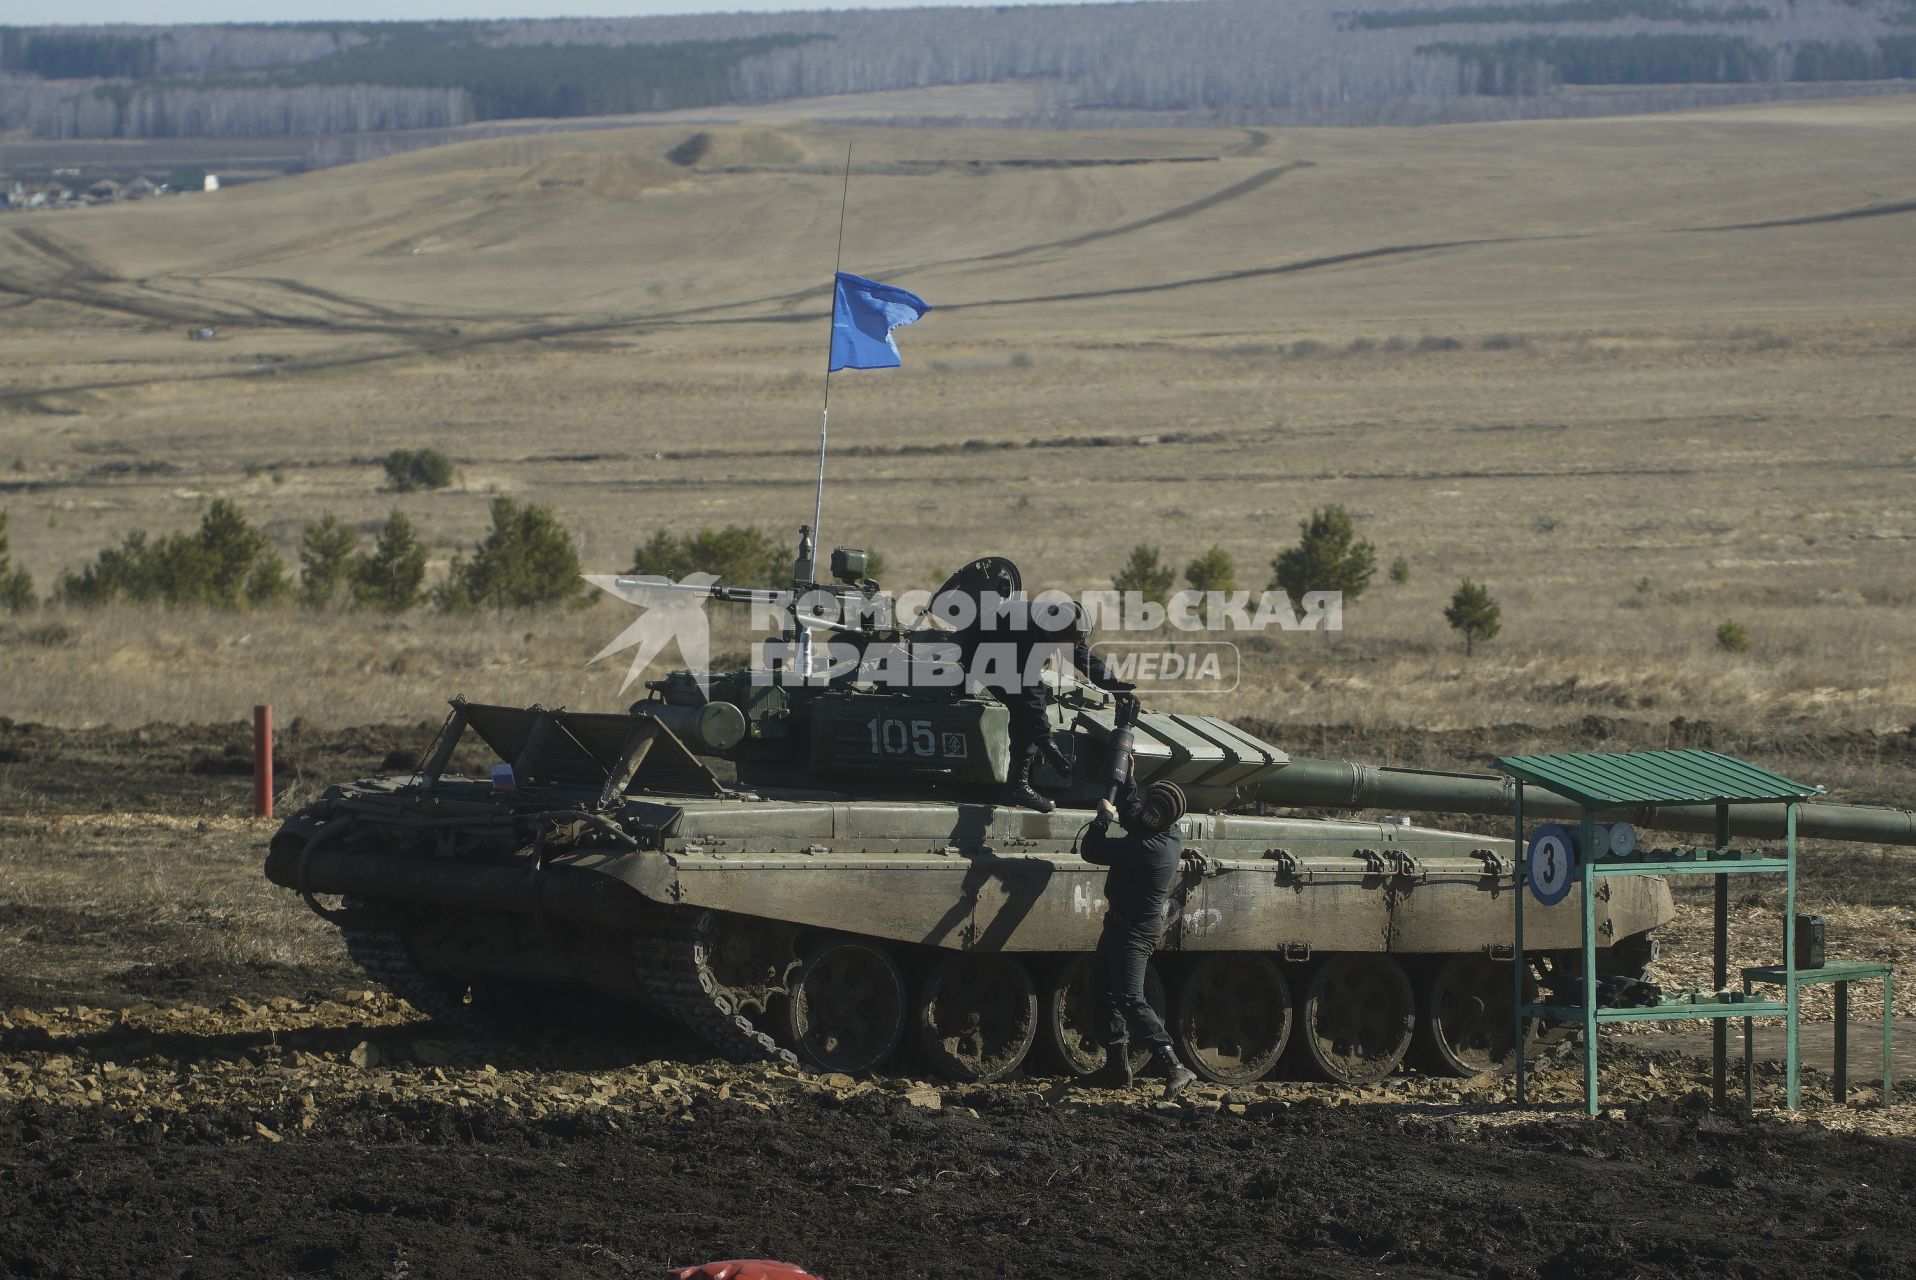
1640, 376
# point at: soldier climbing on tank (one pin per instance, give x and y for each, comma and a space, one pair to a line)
1144, 864
1003, 650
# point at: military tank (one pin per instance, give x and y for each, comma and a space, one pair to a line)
824, 871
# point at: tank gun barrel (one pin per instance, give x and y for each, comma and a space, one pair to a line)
714, 591
1343, 784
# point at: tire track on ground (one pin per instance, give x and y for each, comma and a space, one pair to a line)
1222, 195
50, 246
85, 282
1810, 219
438, 343
701, 317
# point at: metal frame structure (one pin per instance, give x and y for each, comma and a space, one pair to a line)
1599, 783
1839, 975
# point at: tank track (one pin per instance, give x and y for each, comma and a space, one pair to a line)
671, 959
382, 955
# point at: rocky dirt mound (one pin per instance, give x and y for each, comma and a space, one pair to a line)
726, 148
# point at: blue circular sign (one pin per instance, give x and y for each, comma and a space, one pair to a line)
1552, 862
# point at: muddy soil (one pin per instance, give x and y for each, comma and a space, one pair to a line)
872, 1185
193, 1082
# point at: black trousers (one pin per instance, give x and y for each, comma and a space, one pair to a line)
1028, 725
1124, 951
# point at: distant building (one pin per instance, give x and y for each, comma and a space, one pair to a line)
139, 189
212, 182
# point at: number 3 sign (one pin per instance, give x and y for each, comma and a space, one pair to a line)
1553, 863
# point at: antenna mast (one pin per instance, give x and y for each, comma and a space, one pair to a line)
825, 412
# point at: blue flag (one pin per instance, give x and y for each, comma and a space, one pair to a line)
864, 312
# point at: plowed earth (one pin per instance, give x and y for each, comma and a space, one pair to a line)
194, 1083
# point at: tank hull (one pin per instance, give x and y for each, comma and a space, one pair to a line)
981, 877
466, 887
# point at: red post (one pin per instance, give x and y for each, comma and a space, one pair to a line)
263, 762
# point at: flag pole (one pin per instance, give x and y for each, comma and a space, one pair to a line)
804, 637
825, 411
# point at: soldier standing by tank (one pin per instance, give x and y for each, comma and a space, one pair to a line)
1144, 865
1003, 649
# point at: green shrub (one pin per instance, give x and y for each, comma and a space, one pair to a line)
1732, 638
1212, 571
737, 555
409, 469
1328, 557
1146, 575
527, 559
389, 577
16, 586
1400, 570
226, 564
326, 559
1473, 614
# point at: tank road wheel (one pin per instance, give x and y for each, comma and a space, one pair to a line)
847, 1006
977, 1016
1465, 1025
1071, 1011
1233, 1017
1356, 1018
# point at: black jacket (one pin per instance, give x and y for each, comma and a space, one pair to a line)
1143, 866
1019, 638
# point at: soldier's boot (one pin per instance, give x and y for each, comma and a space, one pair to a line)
1177, 1076
1055, 756
1019, 791
1116, 1071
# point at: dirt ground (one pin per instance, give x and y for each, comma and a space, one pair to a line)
194, 1082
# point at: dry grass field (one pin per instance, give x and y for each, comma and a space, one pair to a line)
1639, 375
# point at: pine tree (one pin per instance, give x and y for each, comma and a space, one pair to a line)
1212, 571
389, 577
1146, 575
326, 560
238, 565
737, 555
16, 586
227, 564
1473, 613
528, 559
1328, 557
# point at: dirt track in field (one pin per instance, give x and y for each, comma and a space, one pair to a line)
194, 1083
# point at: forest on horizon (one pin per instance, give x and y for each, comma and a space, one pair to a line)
1197, 61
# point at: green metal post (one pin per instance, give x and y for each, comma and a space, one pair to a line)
1720, 1028
1586, 886
1792, 1085
1518, 889
1842, 1044
1889, 1008
1749, 1056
